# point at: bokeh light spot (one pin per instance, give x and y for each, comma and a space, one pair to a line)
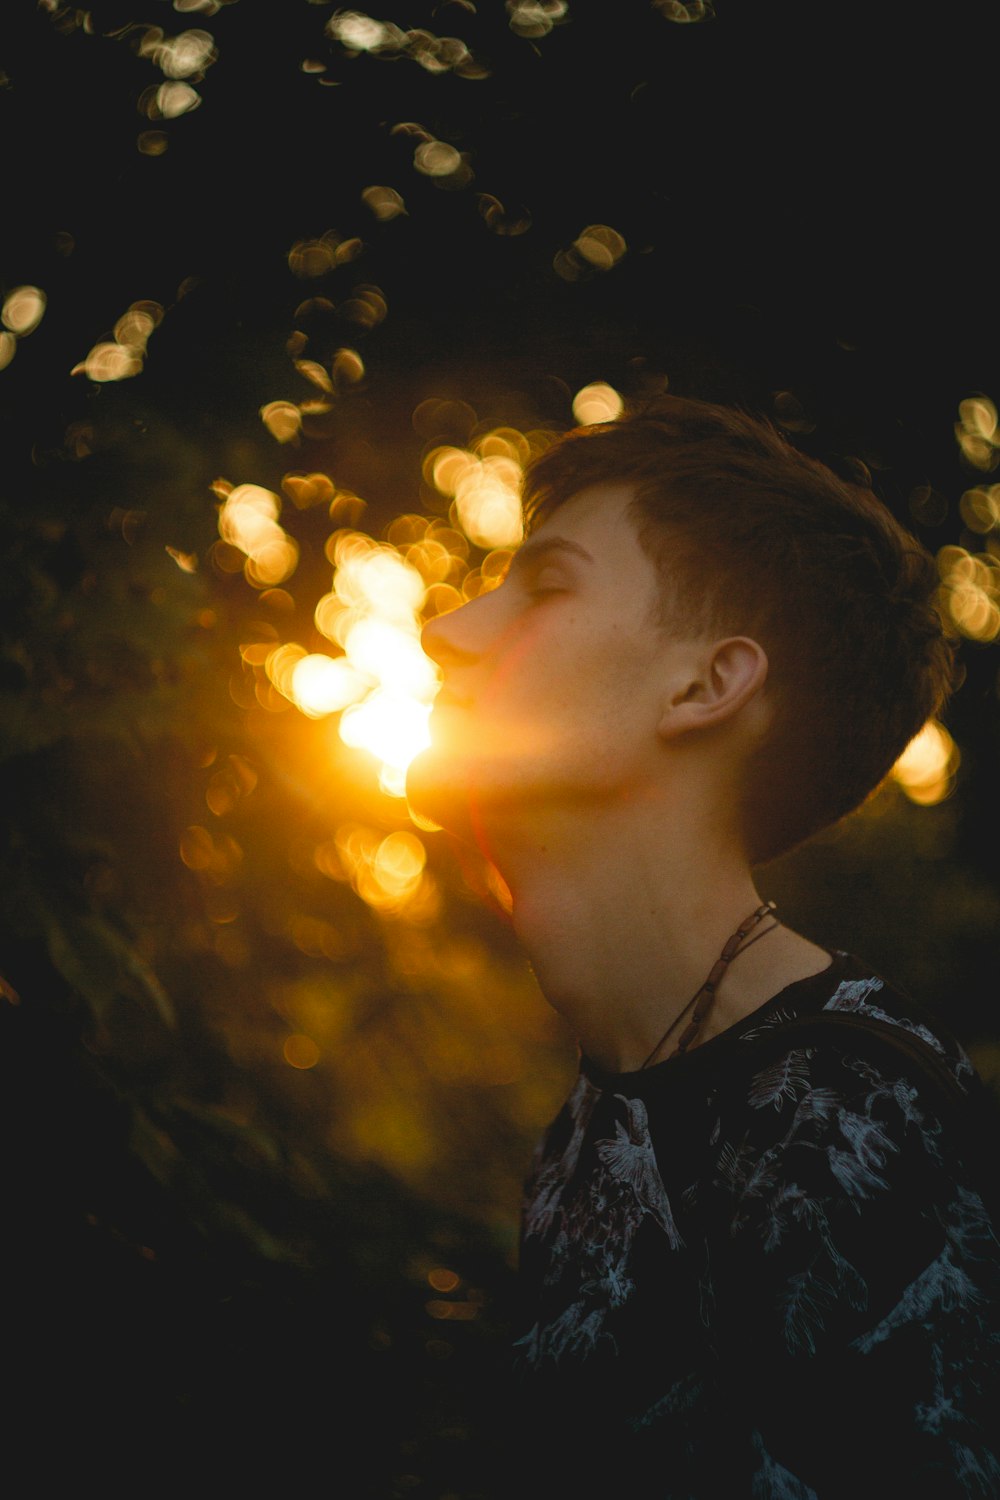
323, 685
926, 769
359, 32
180, 56
306, 490
300, 1051
980, 508
384, 202
684, 12
535, 18
282, 419
601, 245
23, 309
597, 402
109, 361
976, 432
173, 99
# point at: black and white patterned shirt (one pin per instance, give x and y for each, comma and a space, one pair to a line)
770, 1278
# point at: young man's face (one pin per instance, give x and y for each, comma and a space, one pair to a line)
553, 682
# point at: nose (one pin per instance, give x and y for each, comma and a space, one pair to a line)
436, 638
454, 637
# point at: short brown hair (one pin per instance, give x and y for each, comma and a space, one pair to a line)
753, 537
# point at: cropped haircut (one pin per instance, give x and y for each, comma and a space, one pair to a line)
752, 537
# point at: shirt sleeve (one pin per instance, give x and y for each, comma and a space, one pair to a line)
857, 1284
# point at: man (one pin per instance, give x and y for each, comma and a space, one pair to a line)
751, 1266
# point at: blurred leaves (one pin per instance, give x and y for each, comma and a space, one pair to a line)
103, 967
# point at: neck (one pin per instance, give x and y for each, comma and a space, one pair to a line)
623, 926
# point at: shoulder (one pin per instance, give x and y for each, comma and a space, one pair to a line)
849, 1024
861, 1094
851, 988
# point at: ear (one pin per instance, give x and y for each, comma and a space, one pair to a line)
721, 679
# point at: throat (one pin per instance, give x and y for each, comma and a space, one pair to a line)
690, 1021
638, 986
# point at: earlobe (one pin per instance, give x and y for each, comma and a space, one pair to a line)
724, 677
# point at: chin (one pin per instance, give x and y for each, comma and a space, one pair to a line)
436, 790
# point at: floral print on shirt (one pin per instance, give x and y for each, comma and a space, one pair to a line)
802, 1263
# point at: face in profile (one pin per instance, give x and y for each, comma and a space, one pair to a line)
551, 683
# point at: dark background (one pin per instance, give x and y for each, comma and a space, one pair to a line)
200, 1275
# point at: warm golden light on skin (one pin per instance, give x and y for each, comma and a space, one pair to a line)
381, 685
500, 888
377, 681
926, 769
598, 402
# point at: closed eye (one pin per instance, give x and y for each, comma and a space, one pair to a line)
545, 580
546, 565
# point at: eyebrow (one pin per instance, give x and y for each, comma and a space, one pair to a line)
540, 546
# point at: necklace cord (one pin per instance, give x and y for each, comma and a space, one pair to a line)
704, 995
